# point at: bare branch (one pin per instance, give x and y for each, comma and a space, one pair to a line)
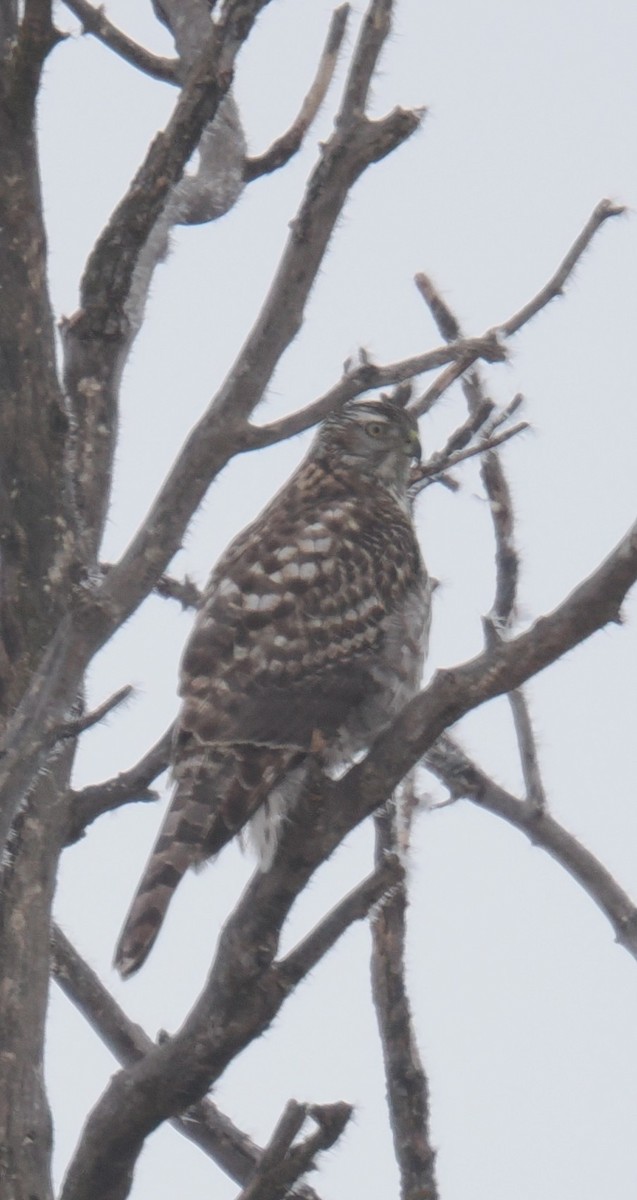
437, 465
119, 269
73, 729
36, 37
506, 556
128, 787
374, 30
465, 779
203, 1123
407, 1088
354, 907
367, 376
100, 610
220, 432
261, 1186
555, 285
450, 328
95, 21
527, 745
507, 561
282, 150
500, 415
183, 590
106, 281
460, 438
283, 1163
446, 322
445, 380
243, 992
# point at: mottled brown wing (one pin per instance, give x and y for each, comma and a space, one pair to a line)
290, 631
285, 645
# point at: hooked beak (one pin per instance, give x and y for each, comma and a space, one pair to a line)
414, 449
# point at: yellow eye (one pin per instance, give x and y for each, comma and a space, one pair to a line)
375, 428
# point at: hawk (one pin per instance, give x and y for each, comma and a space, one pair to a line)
312, 632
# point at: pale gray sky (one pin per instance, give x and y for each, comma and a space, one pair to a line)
526, 1009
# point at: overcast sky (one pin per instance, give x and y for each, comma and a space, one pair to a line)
526, 1009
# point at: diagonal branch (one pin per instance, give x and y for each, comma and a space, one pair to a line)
128, 787
374, 32
439, 463
95, 21
407, 1087
555, 285
243, 993
99, 610
450, 327
219, 433
77, 725
106, 280
119, 270
282, 1163
464, 779
354, 907
527, 745
282, 150
183, 590
203, 1123
498, 493
367, 376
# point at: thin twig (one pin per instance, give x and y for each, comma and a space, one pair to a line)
282, 150
555, 285
354, 907
527, 745
440, 385
126, 788
366, 377
203, 1123
183, 590
73, 729
430, 470
500, 415
465, 779
283, 1163
95, 21
374, 30
500, 500
407, 1087
450, 328
242, 994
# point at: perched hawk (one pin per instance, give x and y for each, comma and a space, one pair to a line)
312, 631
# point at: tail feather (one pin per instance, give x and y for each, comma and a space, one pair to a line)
217, 793
146, 914
178, 847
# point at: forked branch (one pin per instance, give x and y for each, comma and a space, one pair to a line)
203, 1124
285, 146
464, 779
243, 992
95, 21
406, 1082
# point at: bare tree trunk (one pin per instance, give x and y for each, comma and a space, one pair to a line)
37, 551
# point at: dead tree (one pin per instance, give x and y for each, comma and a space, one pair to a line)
60, 604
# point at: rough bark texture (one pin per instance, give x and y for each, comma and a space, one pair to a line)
58, 606
407, 1087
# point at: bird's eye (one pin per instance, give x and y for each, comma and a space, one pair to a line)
374, 428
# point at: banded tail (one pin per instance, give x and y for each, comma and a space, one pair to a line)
218, 791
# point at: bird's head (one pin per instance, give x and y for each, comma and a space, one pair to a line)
376, 437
